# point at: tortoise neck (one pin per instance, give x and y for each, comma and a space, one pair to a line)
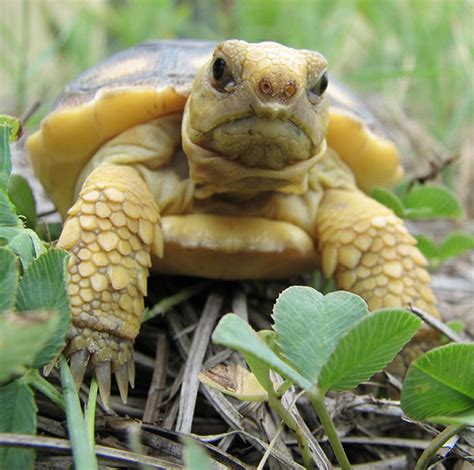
213, 173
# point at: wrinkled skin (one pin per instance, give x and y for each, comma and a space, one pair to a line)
259, 185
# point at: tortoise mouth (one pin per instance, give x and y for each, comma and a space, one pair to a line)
260, 142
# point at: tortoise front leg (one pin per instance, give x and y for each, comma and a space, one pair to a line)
110, 232
370, 252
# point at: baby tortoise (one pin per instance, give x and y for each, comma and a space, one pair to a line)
226, 161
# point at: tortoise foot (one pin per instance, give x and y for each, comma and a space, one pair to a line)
111, 231
105, 354
370, 252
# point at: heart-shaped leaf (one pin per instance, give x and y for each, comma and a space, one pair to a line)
235, 333
367, 348
309, 325
439, 386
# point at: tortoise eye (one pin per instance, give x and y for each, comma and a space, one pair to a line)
218, 68
321, 86
223, 78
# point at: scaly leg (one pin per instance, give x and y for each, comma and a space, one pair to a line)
370, 252
110, 232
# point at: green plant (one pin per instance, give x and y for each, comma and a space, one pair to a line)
319, 343
34, 318
421, 202
195, 457
439, 388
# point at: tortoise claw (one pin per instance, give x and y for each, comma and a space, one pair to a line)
103, 376
121, 375
79, 361
131, 372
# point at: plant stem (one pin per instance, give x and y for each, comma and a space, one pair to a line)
436, 444
318, 403
90, 410
36, 380
82, 451
288, 419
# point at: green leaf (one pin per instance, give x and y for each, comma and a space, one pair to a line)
43, 286
48, 231
233, 332
8, 279
260, 369
433, 201
439, 386
309, 325
455, 244
12, 124
5, 158
427, 247
466, 419
84, 456
367, 348
402, 189
8, 233
389, 199
195, 457
8, 215
420, 213
21, 195
26, 244
18, 412
22, 337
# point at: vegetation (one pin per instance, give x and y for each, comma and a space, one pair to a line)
331, 342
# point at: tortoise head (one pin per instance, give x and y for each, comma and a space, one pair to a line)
261, 106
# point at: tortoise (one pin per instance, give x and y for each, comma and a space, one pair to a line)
228, 161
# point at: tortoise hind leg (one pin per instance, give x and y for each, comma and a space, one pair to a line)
370, 252
110, 232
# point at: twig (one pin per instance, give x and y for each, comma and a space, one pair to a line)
437, 325
436, 168
386, 441
290, 421
63, 445
395, 463
30, 110
289, 400
270, 447
190, 386
158, 380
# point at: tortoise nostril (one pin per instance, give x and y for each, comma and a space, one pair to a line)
290, 89
265, 86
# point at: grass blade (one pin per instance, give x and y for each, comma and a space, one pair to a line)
84, 456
